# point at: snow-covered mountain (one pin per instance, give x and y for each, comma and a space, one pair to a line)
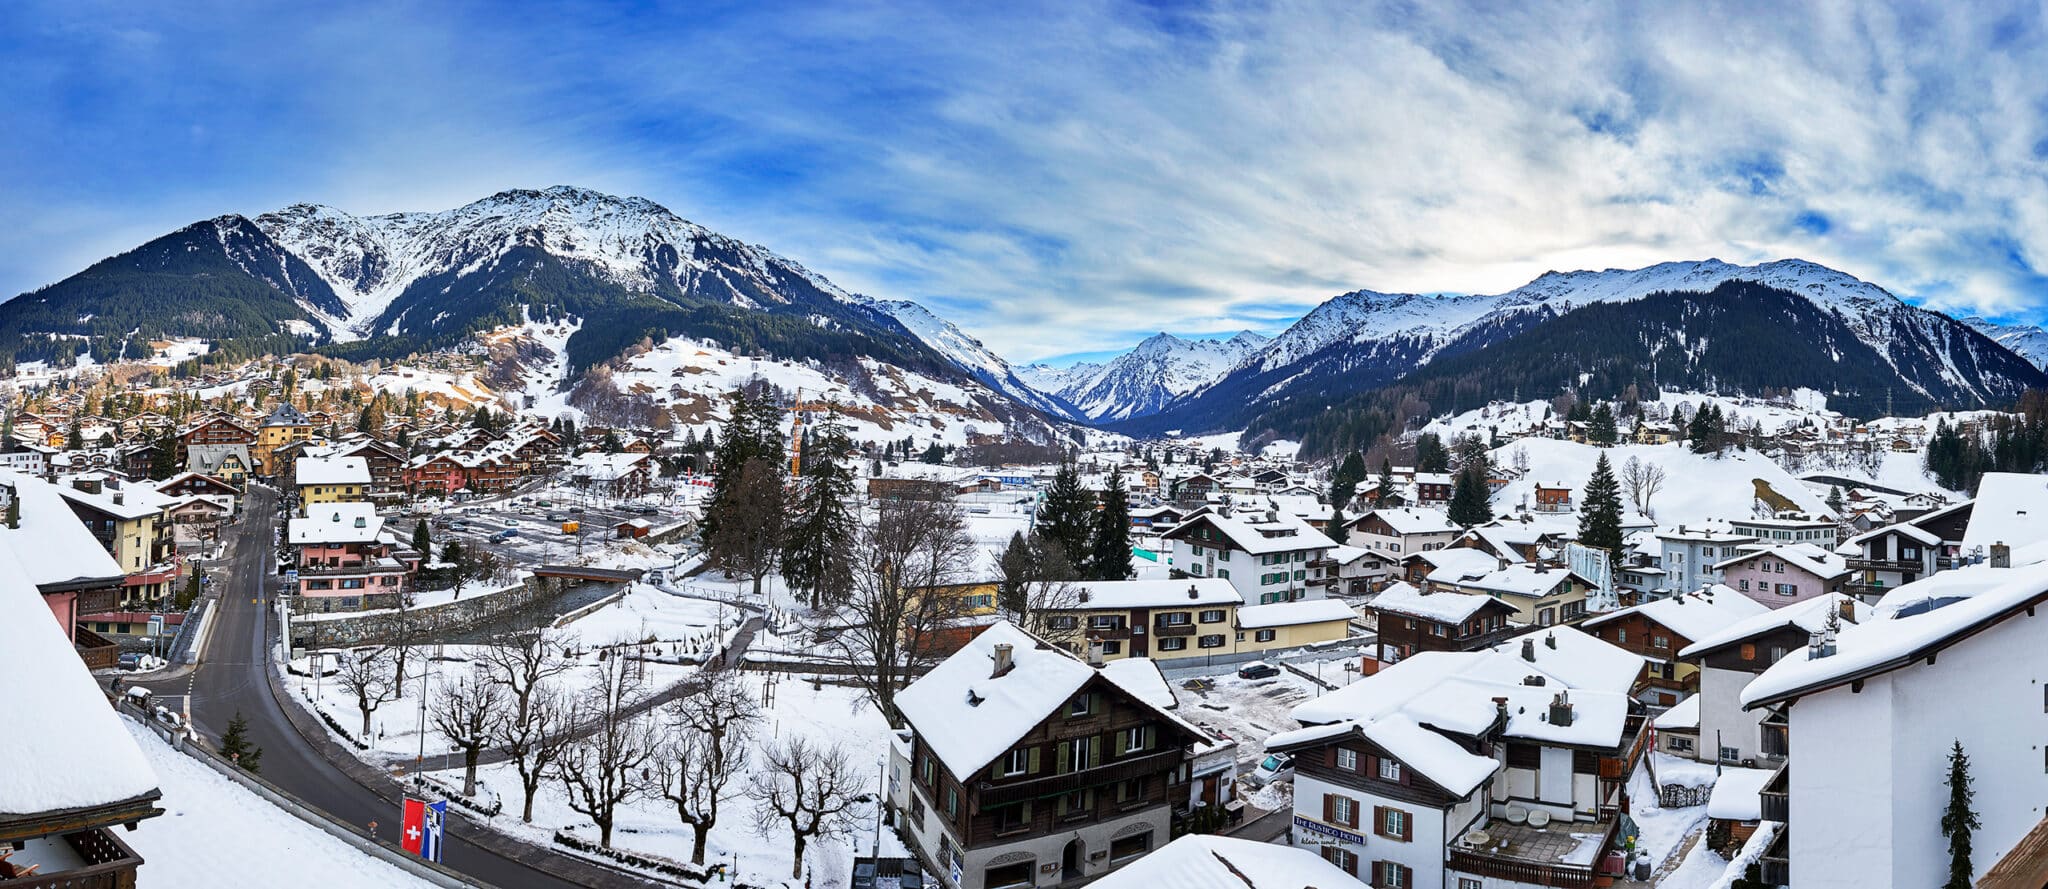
1366, 339
1161, 369
1047, 378
2025, 340
958, 347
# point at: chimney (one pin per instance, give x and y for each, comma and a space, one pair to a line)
1550, 640
1561, 709
88, 485
120, 497
2001, 555
1529, 650
1003, 661
1500, 706
1193, 593
1095, 652
1084, 594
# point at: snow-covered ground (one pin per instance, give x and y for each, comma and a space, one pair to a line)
1697, 487
795, 708
215, 833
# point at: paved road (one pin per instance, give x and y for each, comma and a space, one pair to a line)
231, 680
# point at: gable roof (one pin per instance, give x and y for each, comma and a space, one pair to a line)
2012, 508
1411, 520
1805, 557
1807, 617
1198, 861
335, 523
310, 470
1191, 592
1261, 533
1404, 598
1693, 615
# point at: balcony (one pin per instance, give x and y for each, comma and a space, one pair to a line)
1549, 856
88, 859
97, 651
992, 795
1859, 563
1174, 629
1314, 564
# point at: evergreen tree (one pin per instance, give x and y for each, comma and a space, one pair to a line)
1109, 556
1017, 567
1958, 821
1600, 430
1600, 519
1337, 529
1470, 503
1067, 517
818, 540
611, 444
422, 538
235, 746
1430, 455
1386, 485
1835, 499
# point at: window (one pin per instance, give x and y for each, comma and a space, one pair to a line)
1342, 810
1103, 621
1265, 635
1212, 641
1134, 739
1468, 883
1731, 754
1077, 804
1080, 753
1223, 573
1018, 762
1388, 875
1081, 705
1787, 589
1344, 860
1347, 759
1014, 818
1113, 646
925, 770
1390, 769
952, 803
1212, 616
1677, 744
1063, 622
1660, 642
1742, 585
1131, 791
1391, 823
1174, 643
1174, 619
1129, 847
917, 813
1621, 635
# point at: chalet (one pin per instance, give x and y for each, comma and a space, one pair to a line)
386, 464
1502, 766
1412, 619
1949, 660
284, 426
218, 429
1433, 488
1658, 629
1730, 659
126, 521
342, 560
1022, 765
1397, 531
1269, 556
1552, 497
193, 484
331, 480
622, 475
58, 831
1195, 488
227, 462
1780, 575
194, 519
74, 572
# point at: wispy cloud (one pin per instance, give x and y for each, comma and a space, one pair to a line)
1067, 178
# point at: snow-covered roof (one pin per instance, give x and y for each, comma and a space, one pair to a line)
1414, 520
1188, 593
1434, 756
1808, 616
1260, 533
1683, 715
1444, 607
967, 716
1198, 861
1141, 677
2011, 508
1694, 615
605, 467
1523, 579
52, 546
1889, 640
331, 471
1457, 563
1908, 529
336, 523
64, 747
1287, 614
1737, 794
1805, 557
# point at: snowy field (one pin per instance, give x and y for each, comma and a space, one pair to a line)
189, 845
793, 708
1697, 487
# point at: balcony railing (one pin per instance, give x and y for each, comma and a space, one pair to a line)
1174, 629
993, 795
109, 864
1858, 563
97, 651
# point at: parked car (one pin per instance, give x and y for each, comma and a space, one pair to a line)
507, 534
131, 660
1275, 767
1257, 670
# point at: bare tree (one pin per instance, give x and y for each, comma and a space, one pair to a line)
808, 789
363, 675
469, 714
705, 752
601, 768
405, 636
746, 540
1642, 480
898, 608
535, 729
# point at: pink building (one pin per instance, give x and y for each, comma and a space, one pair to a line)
1783, 575
344, 564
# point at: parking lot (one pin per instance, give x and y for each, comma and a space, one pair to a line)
529, 529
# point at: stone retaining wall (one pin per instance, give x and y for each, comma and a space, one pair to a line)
384, 627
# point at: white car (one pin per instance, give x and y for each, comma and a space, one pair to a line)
1275, 767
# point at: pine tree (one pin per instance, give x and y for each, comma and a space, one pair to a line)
1470, 502
1600, 430
1338, 528
235, 746
1068, 516
422, 538
1386, 486
1109, 556
1600, 519
1430, 455
1958, 821
819, 538
1018, 567
1835, 499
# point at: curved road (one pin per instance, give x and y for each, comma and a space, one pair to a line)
230, 680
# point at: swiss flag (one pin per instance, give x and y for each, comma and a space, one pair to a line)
414, 830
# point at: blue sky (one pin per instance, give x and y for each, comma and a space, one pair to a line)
1066, 178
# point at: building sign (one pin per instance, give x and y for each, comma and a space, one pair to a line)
1328, 831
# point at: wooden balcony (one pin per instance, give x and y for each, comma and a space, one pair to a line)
991, 794
1859, 563
1527, 855
104, 862
97, 651
1174, 629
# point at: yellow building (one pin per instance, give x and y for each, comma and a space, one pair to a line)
1283, 625
1542, 595
1199, 617
286, 425
332, 480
